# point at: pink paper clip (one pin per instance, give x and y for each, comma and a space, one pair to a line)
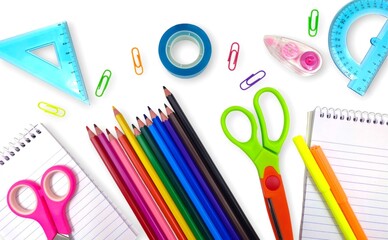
244, 85
234, 51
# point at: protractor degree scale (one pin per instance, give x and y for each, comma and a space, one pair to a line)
361, 74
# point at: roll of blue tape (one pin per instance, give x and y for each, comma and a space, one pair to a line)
178, 33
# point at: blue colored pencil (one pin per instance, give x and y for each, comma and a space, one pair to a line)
182, 178
189, 174
198, 176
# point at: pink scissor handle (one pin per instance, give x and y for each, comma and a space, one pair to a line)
57, 204
40, 213
50, 210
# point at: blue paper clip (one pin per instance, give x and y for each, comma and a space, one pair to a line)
234, 51
250, 84
313, 29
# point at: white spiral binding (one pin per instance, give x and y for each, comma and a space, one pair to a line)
18, 144
354, 116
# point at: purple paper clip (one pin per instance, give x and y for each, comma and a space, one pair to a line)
248, 84
234, 51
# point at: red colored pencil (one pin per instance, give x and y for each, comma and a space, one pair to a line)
120, 183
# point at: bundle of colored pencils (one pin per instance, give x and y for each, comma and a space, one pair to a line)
168, 179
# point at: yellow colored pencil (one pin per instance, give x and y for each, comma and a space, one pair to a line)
152, 172
323, 187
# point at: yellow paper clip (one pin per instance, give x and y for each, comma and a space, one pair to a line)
105, 76
52, 109
234, 51
313, 28
137, 65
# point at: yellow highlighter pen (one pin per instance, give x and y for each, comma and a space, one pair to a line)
323, 187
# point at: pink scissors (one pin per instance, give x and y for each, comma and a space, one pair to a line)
50, 210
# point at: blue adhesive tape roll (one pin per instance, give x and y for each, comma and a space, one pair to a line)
178, 33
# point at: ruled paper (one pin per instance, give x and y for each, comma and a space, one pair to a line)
91, 214
358, 154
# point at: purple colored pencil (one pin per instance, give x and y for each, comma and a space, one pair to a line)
129, 183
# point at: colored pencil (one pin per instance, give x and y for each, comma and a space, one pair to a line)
120, 183
187, 222
145, 161
139, 187
190, 163
211, 173
183, 179
149, 183
196, 180
201, 230
338, 192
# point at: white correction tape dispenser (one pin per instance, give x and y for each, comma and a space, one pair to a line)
302, 59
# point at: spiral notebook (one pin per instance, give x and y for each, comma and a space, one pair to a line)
356, 145
91, 214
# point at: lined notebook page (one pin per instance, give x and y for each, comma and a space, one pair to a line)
358, 153
91, 214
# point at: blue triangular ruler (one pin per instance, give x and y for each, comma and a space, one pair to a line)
66, 76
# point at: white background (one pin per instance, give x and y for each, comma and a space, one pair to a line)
103, 34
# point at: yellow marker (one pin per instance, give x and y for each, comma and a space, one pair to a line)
323, 187
154, 176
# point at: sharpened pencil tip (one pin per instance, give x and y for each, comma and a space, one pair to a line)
166, 92
133, 126
145, 116
137, 118
98, 130
90, 132
165, 105
164, 87
149, 108
115, 111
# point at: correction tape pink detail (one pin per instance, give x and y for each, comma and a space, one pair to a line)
302, 59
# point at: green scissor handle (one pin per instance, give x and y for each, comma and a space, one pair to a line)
252, 146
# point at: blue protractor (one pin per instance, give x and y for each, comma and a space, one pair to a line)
360, 74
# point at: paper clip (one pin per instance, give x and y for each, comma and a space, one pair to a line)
105, 76
248, 84
52, 109
313, 29
234, 51
137, 65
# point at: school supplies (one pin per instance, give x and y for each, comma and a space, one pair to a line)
137, 64
50, 208
179, 33
323, 187
144, 193
299, 57
247, 83
211, 173
211, 222
183, 202
313, 21
120, 183
233, 56
67, 77
103, 83
91, 214
186, 213
361, 74
141, 171
355, 144
194, 176
51, 109
338, 192
266, 159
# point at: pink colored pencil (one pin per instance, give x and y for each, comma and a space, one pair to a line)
147, 198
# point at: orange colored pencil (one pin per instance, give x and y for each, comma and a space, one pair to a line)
338, 192
150, 184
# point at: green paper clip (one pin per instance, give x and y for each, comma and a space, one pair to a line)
313, 29
52, 109
105, 76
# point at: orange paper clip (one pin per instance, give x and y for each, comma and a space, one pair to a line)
233, 56
137, 65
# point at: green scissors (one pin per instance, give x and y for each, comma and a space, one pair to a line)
266, 159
